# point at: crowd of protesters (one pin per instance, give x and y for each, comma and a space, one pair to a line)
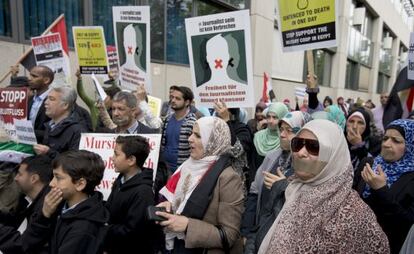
324, 177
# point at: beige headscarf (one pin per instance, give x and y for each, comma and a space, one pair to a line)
324, 214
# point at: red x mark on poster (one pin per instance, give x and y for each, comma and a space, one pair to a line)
218, 63
129, 50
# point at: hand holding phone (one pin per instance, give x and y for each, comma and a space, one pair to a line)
151, 213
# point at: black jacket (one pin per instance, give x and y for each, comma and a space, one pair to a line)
63, 137
394, 208
129, 230
79, 230
141, 129
11, 241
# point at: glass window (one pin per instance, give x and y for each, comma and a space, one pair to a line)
240, 4
177, 12
102, 16
383, 80
207, 9
5, 22
157, 9
323, 63
40, 14
352, 75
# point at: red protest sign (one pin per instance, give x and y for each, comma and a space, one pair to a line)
13, 104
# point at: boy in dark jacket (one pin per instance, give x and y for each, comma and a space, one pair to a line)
129, 230
80, 227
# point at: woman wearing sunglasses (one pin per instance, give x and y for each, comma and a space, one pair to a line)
322, 213
267, 192
390, 182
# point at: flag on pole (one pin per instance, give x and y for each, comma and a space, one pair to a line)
401, 99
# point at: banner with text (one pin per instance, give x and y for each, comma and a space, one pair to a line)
90, 48
132, 38
104, 145
112, 60
13, 105
48, 51
306, 24
219, 48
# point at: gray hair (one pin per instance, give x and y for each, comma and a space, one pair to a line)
130, 99
69, 95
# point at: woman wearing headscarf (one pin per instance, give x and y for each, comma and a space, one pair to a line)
268, 139
205, 194
322, 214
266, 196
256, 123
390, 182
332, 113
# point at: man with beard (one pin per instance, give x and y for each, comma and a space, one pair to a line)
124, 113
177, 128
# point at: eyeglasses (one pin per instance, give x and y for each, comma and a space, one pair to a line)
312, 146
288, 130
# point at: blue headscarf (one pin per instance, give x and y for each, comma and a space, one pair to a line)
395, 169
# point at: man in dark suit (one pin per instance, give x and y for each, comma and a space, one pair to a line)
124, 115
39, 80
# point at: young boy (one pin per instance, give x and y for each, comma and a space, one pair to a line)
80, 228
129, 230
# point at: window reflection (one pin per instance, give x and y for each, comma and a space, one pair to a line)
5, 21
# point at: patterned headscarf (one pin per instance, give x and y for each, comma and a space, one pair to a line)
395, 169
296, 120
324, 210
267, 140
336, 115
215, 135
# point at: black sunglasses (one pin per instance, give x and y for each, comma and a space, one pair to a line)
312, 146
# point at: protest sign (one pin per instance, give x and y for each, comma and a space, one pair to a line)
25, 132
306, 24
219, 48
410, 69
90, 48
155, 105
48, 51
13, 105
104, 145
112, 60
132, 38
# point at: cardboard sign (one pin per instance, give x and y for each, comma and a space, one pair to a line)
48, 51
219, 48
13, 105
307, 24
104, 145
90, 48
132, 37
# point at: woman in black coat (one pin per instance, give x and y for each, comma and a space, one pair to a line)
390, 182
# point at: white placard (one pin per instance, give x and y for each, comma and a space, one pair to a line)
104, 144
219, 49
132, 39
49, 52
99, 88
25, 132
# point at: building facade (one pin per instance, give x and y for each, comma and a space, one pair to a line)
373, 39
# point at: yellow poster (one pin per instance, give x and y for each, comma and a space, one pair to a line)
90, 48
307, 24
155, 104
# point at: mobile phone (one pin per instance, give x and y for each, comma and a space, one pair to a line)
151, 213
